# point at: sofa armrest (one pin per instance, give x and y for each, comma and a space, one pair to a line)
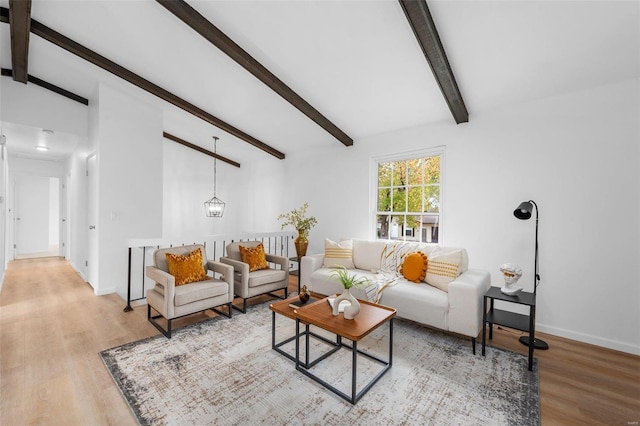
278, 260
465, 301
310, 264
167, 281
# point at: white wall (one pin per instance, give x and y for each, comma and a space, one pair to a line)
35, 106
575, 155
188, 183
77, 216
129, 154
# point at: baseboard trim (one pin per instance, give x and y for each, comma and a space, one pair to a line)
79, 272
590, 339
103, 291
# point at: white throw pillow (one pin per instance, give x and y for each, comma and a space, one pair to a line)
443, 267
366, 254
338, 254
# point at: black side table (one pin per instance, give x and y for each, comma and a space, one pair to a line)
298, 260
510, 319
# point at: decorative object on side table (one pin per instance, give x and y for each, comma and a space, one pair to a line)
523, 212
511, 273
304, 297
348, 281
304, 294
297, 218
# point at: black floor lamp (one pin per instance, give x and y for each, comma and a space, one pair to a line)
523, 212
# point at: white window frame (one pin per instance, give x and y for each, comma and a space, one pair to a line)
408, 155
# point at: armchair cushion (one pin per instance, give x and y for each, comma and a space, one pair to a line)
188, 268
199, 291
255, 257
266, 276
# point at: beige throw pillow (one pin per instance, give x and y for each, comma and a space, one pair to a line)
443, 268
338, 254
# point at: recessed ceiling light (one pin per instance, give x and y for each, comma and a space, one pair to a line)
42, 148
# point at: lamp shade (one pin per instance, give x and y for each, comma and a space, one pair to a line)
524, 210
214, 207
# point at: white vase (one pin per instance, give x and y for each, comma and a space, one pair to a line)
352, 309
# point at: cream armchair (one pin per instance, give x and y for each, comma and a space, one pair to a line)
249, 284
172, 301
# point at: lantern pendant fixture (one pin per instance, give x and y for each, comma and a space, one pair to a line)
214, 207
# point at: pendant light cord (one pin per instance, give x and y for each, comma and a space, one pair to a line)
215, 164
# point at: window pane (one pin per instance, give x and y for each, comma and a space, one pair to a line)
415, 199
384, 200
399, 199
429, 227
432, 198
382, 226
384, 174
432, 170
414, 168
399, 173
396, 228
412, 229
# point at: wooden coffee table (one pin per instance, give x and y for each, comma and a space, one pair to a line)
371, 317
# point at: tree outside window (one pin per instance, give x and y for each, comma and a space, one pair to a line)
408, 204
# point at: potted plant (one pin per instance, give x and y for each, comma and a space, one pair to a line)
348, 281
303, 224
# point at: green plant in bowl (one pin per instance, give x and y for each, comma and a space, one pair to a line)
341, 274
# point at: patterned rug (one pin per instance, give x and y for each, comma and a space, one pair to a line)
223, 372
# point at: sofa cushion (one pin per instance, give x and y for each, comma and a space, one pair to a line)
421, 303
255, 257
367, 254
414, 267
200, 290
186, 268
443, 267
338, 254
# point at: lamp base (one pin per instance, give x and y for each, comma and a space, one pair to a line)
538, 344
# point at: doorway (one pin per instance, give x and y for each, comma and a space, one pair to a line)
37, 217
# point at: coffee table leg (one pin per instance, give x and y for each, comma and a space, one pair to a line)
391, 341
297, 344
354, 371
306, 337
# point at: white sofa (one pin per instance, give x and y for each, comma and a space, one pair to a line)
459, 310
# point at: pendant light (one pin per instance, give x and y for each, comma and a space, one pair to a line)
214, 207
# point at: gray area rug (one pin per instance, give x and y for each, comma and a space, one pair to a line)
223, 372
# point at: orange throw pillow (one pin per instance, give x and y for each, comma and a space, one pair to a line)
255, 257
414, 267
187, 269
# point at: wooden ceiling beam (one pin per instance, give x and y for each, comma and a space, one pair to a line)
71, 46
421, 22
46, 85
206, 29
20, 26
199, 149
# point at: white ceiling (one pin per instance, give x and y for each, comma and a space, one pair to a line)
357, 62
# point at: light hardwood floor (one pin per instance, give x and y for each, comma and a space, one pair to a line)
52, 327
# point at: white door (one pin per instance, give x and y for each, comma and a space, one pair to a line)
31, 216
92, 220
